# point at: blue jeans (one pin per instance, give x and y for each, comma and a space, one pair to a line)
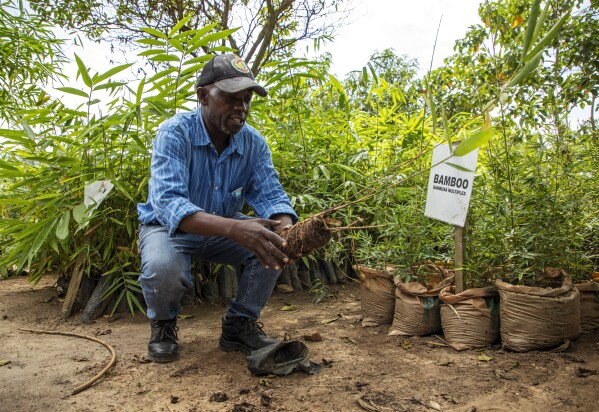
166, 271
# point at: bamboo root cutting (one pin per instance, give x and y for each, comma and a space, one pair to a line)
306, 236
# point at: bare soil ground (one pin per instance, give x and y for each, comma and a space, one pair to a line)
385, 373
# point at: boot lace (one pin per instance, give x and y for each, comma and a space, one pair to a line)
166, 331
254, 328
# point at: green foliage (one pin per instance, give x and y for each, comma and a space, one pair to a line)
360, 146
56, 151
30, 55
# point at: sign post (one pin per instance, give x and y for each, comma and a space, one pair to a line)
448, 197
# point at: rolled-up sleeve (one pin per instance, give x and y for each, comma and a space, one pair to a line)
267, 196
169, 193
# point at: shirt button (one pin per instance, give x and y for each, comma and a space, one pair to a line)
213, 213
216, 187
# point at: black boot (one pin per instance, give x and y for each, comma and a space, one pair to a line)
243, 334
163, 345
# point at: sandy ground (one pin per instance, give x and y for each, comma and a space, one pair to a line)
362, 368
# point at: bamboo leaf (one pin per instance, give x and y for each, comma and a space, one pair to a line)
325, 171
140, 90
62, 229
176, 44
530, 28
151, 42
155, 33
446, 127
474, 141
111, 72
201, 32
79, 212
109, 85
211, 38
28, 129
549, 36
179, 25
201, 59
192, 69
540, 23
462, 168
150, 52
163, 57
72, 90
83, 71
41, 238
528, 68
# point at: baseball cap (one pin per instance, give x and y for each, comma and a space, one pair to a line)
230, 74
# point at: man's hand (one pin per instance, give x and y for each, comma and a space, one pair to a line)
253, 234
266, 245
285, 222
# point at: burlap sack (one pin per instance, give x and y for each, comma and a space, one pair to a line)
538, 318
470, 319
377, 295
589, 306
417, 308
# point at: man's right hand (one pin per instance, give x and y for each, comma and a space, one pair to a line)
253, 234
256, 236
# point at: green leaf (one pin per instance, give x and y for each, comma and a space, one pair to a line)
28, 129
163, 57
549, 36
72, 90
176, 44
62, 229
540, 23
474, 141
484, 358
446, 127
155, 33
111, 72
462, 168
325, 172
83, 71
109, 85
528, 68
79, 212
41, 238
288, 308
179, 25
530, 28
151, 42
140, 90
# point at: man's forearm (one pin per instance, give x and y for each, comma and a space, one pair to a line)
205, 224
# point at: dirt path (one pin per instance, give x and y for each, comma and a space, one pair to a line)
388, 373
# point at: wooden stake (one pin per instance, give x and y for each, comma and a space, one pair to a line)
458, 236
76, 277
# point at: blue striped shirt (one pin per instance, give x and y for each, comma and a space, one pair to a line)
188, 175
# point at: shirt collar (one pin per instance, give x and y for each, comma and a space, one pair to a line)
203, 139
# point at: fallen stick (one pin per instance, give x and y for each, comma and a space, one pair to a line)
89, 383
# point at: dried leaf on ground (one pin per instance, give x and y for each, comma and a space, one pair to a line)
583, 372
315, 337
281, 287
484, 358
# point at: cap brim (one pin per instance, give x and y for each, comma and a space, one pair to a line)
237, 84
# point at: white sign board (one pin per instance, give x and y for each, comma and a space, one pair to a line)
449, 188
